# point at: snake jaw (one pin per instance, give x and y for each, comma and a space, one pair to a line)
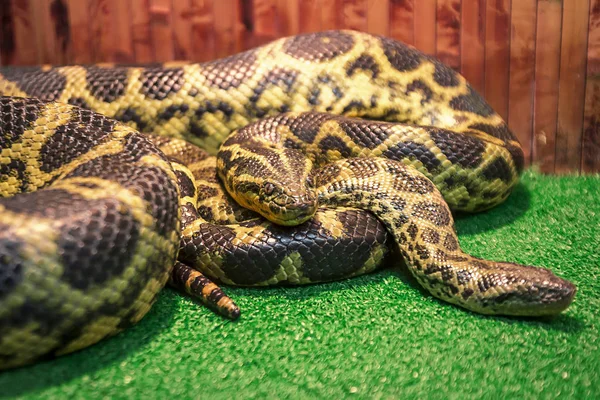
550, 297
540, 293
292, 210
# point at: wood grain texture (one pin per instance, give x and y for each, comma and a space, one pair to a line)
497, 54
331, 15
472, 43
141, 36
425, 12
225, 27
161, 29
17, 45
264, 23
402, 22
590, 154
80, 34
448, 32
7, 34
183, 14
121, 32
522, 72
288, 13
355, 14
309, 19
571, 85
537, 62
547, 71
106, 27
378, 17
42, 34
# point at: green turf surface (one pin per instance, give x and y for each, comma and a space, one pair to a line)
377, 336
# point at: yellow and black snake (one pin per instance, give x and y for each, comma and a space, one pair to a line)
97, 217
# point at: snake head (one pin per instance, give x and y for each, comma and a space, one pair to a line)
283, 203
276, 184
286, 203
521, 290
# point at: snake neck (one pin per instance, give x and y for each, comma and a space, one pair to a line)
414, 213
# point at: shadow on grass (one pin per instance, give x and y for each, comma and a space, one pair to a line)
56, 372
504, 214
563, 322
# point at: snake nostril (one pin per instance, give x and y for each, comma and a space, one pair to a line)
269, 188
282, 200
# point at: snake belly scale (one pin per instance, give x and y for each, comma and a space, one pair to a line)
356, 140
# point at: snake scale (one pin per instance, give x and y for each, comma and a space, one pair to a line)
334, 147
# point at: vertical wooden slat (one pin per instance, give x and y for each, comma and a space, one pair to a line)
7, 34
448, 32
378, 17
40, 31
522, 72
497, 54
25, 49
310, 16
265, 15
110, 23
96, 25
402, 21
182, 17
58, 22
101, 25
355, 14
225, 26
141, 32
203, 32
547, 62
425, 25
331, 18
591, 131
44, 37
472, 43
79, 25
121, 33
288, 17
239, 26
161, 28
571, 85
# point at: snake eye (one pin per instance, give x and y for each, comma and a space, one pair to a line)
269, 188
310, 181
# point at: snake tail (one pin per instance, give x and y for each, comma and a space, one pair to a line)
199, 286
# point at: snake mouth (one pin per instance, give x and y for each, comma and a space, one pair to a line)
558, 299
291, 210
547, 298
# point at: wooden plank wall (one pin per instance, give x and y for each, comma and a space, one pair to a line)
536, 61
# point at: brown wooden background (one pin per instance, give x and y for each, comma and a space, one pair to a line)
537, 62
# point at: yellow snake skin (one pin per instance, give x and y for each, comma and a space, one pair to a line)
95, 218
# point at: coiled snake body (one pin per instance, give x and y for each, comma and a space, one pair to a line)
84, 257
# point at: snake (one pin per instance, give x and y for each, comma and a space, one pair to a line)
313, 158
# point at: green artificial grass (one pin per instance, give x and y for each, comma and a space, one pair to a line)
377, 336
